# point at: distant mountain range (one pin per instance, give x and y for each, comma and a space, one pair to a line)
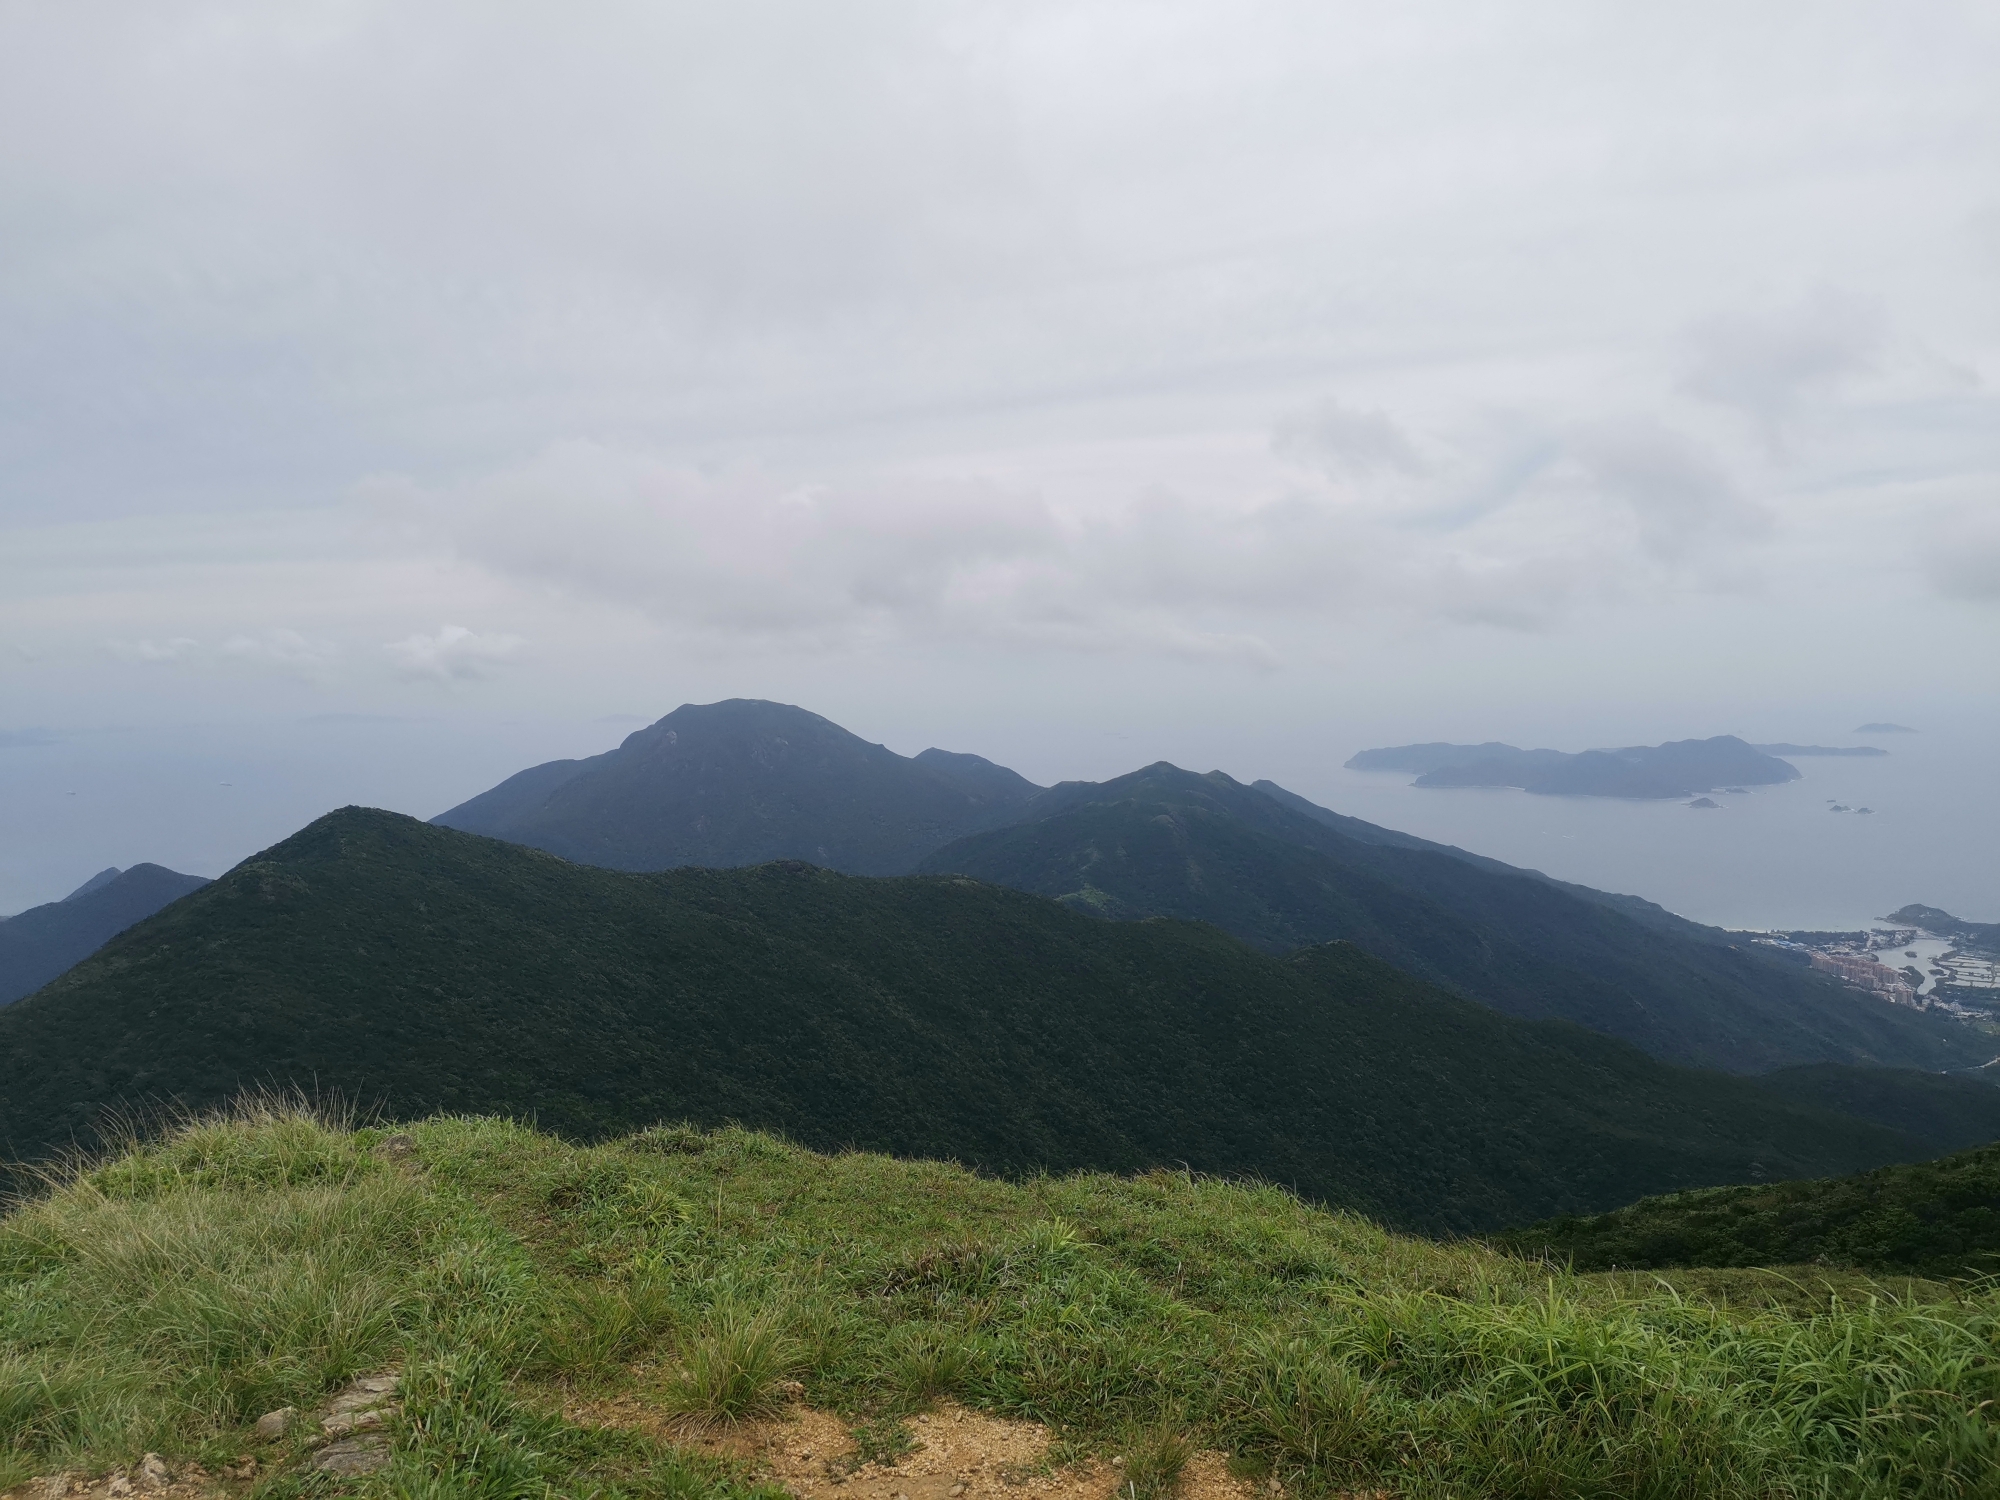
423, 969
1280, 873
1679, 768
43, 941
741, 782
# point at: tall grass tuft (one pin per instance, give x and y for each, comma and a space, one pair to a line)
1155, 1458
733, 1368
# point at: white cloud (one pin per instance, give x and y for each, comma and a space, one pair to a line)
452, 654
1332, 437
284, 649
1963, 557
175, 648
1767, 363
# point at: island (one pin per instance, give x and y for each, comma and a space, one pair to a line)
1679, 768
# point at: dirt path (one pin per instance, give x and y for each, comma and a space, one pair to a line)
961, 1455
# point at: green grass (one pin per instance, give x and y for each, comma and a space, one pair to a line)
165, 1299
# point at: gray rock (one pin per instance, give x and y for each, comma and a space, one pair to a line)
153, 1473
363, 1454
275, 1424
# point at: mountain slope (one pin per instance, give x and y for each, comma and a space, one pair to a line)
1934, 1218
742, 782
43, 941
1167, 842
425, 969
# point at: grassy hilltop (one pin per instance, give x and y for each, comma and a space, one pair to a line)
163, 1300
435, 971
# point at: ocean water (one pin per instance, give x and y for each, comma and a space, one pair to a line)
1774, 858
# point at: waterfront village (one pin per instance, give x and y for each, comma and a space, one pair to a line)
1963, 980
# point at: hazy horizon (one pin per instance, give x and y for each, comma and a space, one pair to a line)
392, 398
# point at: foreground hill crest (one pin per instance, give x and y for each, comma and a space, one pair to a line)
428, 969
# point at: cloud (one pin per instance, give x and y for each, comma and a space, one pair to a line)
1767, 364
1340, 441
176, 648
453, 654
1963, 562
1676, 491
285, 649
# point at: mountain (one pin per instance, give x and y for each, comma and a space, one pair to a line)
743, 782
1951, 1112
423, 969
1168, 842
43, 941
1934, 1218
1679, 768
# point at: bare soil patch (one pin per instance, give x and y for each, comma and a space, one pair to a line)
960, 1455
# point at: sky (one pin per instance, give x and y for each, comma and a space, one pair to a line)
394, 396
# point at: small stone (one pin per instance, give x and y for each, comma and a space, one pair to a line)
153, 1473
791, 1390
363, 1454
245, 1467
275, 1424
54, 1487
379, 1384
398, 1144
957, 1489
1274, 1487
118, 1485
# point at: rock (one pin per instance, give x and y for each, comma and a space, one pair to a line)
381, 1385
957, 1489
52, 1488
275, 1424
153, 1473
398, 1144
118, 1484
363, 1454
245, 1467
792, 1390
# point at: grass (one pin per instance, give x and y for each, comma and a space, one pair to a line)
164, 1299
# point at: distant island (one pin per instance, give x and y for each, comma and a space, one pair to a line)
1885, 729
1679, 768
1819, 749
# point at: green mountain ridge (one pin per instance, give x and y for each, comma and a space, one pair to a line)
1935, 1218
1167, 842
423, 969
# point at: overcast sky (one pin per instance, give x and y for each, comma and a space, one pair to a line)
1076, 383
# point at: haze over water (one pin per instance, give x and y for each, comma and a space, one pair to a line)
1776, 857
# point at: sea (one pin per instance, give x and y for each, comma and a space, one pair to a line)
1776, 857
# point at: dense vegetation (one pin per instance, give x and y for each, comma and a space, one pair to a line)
433, 970
1951, 1112
744, 782
165, 1299
1935, 1218
1166, 842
